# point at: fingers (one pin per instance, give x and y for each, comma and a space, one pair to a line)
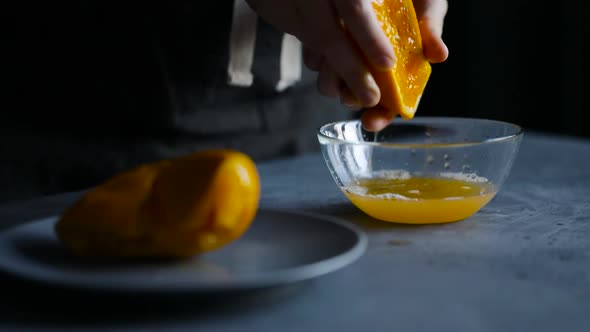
377, 118
361, 21
357, 77
433, 11
435, 50
431, 14
329, 39
347, 98
330, 85
328, 81
312, 59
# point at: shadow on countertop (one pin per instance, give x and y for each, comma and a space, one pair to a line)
30, 305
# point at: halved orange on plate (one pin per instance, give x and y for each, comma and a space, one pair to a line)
177, 207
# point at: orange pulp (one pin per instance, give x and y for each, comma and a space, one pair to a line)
402, 86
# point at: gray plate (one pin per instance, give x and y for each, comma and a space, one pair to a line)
279, 248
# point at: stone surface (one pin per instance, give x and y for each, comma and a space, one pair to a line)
521, 264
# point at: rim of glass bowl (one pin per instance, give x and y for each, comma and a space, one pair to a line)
518, 133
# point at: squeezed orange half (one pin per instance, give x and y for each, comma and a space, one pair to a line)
403, 85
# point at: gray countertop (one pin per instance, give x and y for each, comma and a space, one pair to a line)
521, 264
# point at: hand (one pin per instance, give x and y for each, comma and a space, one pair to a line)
329, 51
317, 23
431, 14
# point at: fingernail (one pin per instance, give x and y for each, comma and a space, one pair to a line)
370, 96
349, 101
381, 124
351, 105
385, 62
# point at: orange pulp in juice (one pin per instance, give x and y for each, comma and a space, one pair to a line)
420, 200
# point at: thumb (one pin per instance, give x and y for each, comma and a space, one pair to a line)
431, 15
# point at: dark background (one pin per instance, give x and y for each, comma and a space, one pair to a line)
521, 61
83, 88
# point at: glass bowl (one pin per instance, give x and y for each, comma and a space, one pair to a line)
422, 171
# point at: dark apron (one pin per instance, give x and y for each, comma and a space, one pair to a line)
99, 88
